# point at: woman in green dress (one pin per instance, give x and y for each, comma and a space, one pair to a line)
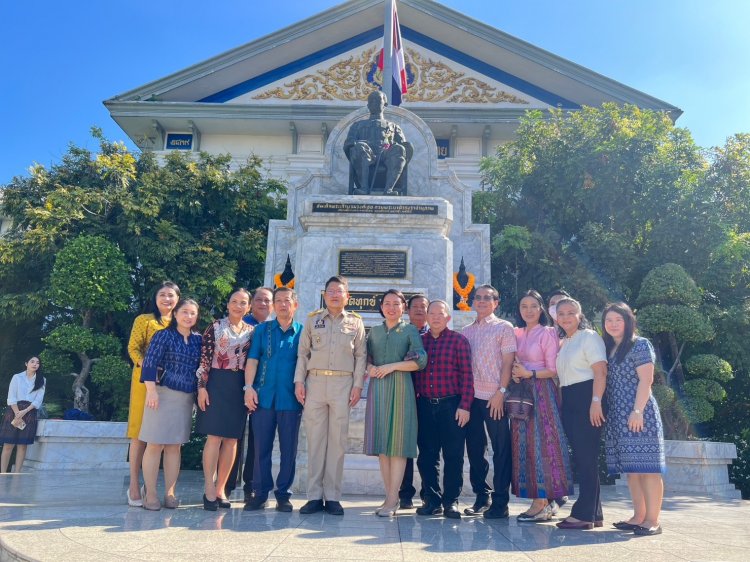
394, 349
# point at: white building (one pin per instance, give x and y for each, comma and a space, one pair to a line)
279, 96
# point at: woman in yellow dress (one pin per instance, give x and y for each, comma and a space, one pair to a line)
144, 328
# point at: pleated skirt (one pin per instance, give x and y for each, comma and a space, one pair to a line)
391, 417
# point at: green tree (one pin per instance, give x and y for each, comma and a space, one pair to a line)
89, 279
196, 219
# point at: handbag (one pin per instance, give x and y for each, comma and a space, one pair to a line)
519, 400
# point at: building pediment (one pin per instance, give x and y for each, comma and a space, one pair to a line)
318, 70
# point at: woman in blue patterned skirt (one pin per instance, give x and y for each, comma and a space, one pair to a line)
394, 348
634, 436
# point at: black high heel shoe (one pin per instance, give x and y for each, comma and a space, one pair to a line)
223, 503
210, 505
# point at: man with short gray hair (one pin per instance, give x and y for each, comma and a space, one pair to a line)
445, 390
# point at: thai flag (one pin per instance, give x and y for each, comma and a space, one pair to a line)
397, 62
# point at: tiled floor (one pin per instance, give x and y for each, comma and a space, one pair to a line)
82, 516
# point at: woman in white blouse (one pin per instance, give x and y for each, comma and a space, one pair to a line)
18, 429
582, 371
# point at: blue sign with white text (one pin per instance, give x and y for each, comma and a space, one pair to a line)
179, 141
443, 146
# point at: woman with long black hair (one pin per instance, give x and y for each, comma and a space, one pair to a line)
634, 436
25, 395
157, 318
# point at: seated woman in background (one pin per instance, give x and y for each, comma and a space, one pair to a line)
582, 370
634, 436
221, 400
144, 327
169, 374
25, 396
541, 466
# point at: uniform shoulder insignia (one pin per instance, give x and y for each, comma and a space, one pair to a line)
354, 314
314, 312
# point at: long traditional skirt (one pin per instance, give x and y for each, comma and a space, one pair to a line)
541, 464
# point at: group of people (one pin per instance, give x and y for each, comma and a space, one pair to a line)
534, 393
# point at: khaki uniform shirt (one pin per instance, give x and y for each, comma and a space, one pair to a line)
332, 343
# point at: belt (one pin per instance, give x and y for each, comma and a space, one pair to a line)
329, 373
438, 400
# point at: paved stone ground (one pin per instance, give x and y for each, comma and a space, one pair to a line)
80, 516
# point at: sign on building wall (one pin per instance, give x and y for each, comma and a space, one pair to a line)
179, 141
443, 146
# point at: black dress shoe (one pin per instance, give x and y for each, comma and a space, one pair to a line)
334, 508
255, 504
224, 503
313, 506
284, 505
575, 525
429, 509
210, 505
451, 512
406, 504
647, 531
496, 512
625, 526
479, 507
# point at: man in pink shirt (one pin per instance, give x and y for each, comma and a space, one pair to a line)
493, 349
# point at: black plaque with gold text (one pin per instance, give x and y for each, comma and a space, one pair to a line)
374, 208
363, 301
373, 263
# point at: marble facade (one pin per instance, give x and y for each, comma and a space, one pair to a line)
78, 445
698, 468
435, 243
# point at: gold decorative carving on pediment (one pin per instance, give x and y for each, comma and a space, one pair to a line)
353, 78
435, 81
346, 80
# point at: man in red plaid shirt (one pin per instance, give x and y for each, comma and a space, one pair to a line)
445, 390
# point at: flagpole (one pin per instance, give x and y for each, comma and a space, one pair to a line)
388, 51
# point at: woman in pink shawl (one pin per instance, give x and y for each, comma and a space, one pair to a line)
541, 466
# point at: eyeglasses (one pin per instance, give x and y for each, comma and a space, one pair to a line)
262, 301
486, 298
333, 292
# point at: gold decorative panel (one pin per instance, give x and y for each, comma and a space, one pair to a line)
353, 78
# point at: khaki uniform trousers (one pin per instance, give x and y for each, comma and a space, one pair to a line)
326, 419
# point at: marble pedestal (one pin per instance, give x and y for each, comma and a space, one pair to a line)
698, 468
78, 445
423, 238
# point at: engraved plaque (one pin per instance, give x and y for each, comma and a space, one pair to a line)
384, 264
364, 301
372, 208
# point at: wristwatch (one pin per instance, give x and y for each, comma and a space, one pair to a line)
637, 411
503, 390
595, 399
247, 387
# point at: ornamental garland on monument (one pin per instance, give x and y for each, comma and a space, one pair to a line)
463, 288
353, 78
286, 277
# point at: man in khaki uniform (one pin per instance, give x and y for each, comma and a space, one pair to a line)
328, 381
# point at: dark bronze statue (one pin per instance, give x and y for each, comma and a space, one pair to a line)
376, 145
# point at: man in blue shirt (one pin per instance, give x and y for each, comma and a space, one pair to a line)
269, 395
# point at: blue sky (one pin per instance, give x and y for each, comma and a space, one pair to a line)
60, 60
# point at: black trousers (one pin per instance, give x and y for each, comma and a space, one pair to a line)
249, 463
439, 432
585, 441
407, 490
476, 449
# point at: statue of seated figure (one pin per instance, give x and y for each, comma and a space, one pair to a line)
376, 145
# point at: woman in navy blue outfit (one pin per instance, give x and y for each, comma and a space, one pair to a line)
169, 375
634, 436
